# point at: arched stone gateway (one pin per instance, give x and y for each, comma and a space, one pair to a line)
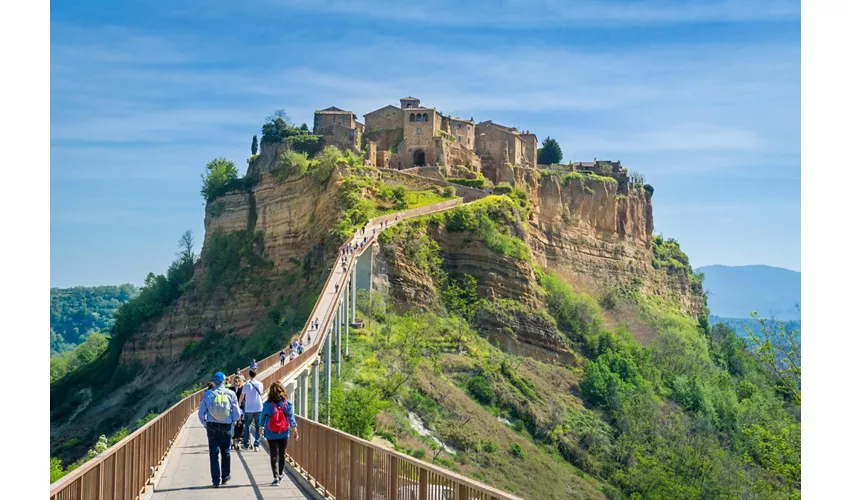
419, 158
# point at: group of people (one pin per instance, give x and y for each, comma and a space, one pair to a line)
233, 402
295, 349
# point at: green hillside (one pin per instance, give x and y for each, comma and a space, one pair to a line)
77, 312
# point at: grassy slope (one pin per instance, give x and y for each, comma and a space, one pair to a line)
460, 421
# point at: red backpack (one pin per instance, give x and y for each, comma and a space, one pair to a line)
279, 422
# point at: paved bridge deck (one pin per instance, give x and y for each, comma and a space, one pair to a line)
187, 475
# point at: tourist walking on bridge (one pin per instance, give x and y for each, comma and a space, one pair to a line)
252, 392
278, 421
218, 412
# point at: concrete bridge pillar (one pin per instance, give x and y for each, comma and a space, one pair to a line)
292, 391
347, 316
303, 389
353, 285
339, 340
314, 407
328, 361
364, 270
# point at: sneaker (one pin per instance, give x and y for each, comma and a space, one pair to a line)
256, 447
225, 480
276, 482
215, 485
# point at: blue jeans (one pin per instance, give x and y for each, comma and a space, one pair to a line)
219, 437
246, 433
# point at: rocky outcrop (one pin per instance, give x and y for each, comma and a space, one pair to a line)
598, 235
291, 219
521, 331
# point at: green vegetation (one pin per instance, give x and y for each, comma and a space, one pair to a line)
668, 256
222, 178
695, 413
363, 197
649, 190
254, 146
291, 164
550, 152
83, 354
78, 312
777, 347
494, 220
479, 182
308, 144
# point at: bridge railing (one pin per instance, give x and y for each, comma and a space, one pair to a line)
349, 468
122, 471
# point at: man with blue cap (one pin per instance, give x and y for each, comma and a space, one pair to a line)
218, 411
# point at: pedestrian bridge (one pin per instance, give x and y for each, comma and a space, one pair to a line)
168, 459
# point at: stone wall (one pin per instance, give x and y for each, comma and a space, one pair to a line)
386, 118
386, 139
341, 137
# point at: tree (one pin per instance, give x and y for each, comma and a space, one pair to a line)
550, 152
186, 246
304, 127
279, 114
254, 146
778, 348
221, 173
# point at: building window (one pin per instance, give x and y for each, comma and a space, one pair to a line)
412, 117
425, 118
418, 130
388, 117
467, 140
459, 139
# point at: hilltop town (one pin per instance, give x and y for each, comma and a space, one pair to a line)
412, 135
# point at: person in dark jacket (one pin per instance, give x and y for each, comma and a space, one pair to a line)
278, 440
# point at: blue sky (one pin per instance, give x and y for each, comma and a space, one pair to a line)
702, 97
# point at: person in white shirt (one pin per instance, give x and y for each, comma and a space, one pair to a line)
252, 393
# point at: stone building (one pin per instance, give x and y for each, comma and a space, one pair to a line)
415, 135
339, 127
498, 145
412, 135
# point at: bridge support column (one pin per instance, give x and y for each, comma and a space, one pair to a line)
339, 340
328, 361
314, 407
353, 284
303, 389
346, 316
292, 391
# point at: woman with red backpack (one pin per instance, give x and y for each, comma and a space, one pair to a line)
278, 420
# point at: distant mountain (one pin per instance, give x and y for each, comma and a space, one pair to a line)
736, 291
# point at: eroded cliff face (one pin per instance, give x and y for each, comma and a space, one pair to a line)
289, 222
594, 234
598, 235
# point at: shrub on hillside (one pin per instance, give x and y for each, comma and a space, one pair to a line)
308, 144
480, 389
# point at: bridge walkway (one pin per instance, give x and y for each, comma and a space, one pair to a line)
187, 474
